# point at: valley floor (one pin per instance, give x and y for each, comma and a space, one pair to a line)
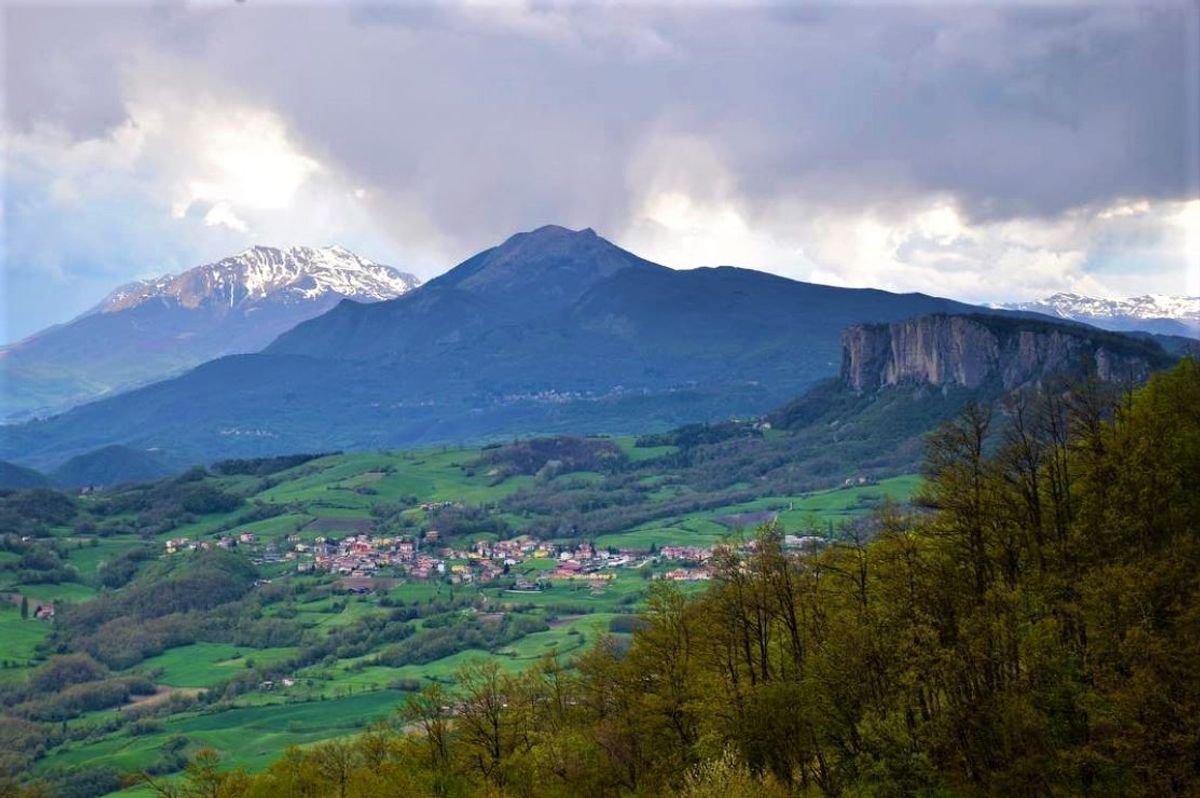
411, 563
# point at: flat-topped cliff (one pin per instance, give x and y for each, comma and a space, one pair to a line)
971, 350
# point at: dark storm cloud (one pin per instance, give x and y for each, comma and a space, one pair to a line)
514, 114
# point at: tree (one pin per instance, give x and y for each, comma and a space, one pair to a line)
202, 778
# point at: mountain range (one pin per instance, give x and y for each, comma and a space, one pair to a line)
1153, 313
151, 329
551, 331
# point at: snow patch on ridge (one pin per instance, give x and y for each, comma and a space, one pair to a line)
260, 273
1084, 308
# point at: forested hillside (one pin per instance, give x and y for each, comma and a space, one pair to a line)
1034, 630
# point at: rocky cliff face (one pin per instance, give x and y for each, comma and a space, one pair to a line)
971, 351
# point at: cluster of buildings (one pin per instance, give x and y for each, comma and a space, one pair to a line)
180, 544
483, 561
363, 556
357, 555
586, 562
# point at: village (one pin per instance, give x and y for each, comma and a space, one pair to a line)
359, 557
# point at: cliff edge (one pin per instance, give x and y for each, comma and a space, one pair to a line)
972, 351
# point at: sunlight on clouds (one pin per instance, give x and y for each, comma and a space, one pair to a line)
941, 223
919, 246
690, 207
220, 214
687, 212
242, 159
1125, 209
674, 229
180, 181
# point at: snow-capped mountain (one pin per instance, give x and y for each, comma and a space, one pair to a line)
1170, 315
298, 274
150, 329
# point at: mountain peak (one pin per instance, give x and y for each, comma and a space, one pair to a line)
150, 329
552, 239
550, 263
263, 273
550, 232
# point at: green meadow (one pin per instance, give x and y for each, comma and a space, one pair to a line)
338, 691
208, 664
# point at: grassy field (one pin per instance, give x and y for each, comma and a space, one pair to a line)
340, 693
20, 637
88, 555
823, 511
431, 475
207, 664
250, 736
67, 591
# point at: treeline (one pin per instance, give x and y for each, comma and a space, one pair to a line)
34, 512
62, 688
264, 466
1035, 631
173, 603
715, 465
438, 640
550, 456
39, 561
32, 722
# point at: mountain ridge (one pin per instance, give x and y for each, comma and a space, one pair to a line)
552, 331
1155, 313
151, 329
258, 272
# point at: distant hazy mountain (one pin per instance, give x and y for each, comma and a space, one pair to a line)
1166, 315
150, 329
111, 465
20, 477
553, 330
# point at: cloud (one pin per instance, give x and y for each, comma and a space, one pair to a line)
241, 159
987, 150
692, 211
177, 182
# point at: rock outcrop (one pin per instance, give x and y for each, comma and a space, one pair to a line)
974, 351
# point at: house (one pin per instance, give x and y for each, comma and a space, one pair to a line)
804, 542
684, 575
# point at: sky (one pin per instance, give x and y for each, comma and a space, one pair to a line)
983, 151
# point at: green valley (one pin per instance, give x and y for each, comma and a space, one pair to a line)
259, 604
